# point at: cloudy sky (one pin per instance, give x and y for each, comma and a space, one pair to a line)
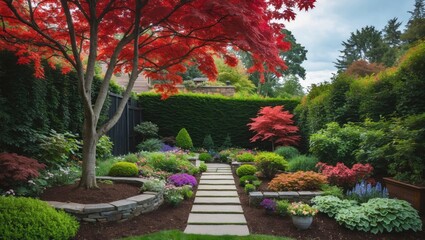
322, 29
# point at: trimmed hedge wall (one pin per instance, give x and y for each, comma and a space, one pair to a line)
207, 114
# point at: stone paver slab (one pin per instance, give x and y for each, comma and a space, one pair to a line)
217, 200
239, 230
216, 173
217, 177
201, 193
217, 182
216, 187
141, 198
207, 218
217, 209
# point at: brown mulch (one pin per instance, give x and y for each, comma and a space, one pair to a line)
323, 227
105, 193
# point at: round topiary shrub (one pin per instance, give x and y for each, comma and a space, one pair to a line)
27, 218
270, 163
245, 157
124, 169
245, 170
183, 139
206, 157
247, 179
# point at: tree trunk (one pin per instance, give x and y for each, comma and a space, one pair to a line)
90, 138
272, 145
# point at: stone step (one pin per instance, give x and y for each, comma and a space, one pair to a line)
239, 230
216, 187
216, 173
217, 209
220, 218
217, 177
217, 182
202, 193
217, 200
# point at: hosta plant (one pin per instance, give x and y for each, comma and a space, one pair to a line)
380, 215
331, 205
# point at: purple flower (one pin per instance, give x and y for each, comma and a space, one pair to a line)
181, 179
268, 204
168, 148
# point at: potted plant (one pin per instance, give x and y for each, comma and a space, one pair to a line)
269, 205
302, 215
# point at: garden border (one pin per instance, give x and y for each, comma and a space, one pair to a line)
256, 197
120, 210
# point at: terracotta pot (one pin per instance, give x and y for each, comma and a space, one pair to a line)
302, 222
415, 195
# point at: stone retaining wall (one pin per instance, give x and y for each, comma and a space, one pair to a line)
120, 210
305, 196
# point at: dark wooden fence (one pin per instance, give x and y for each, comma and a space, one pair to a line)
122, 134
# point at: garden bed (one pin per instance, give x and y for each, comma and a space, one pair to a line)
323, 227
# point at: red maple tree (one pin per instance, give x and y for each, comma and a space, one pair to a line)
152, 37
275, 125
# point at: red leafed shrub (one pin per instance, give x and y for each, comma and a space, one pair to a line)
343, 176
298, 181
15, 168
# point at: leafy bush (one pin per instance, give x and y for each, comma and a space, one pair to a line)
206, 157
27, 218
332, 190
174, 195
227, 143
104, 147
245, 170
298, 181
150, 145
154, 185
331, 205
245, 157
181, 179
270, 163
58, 148
187, 191
133, 158
208, 142
203, 167
364, 191
17, 169
124, 169
287, 152
282, 207
302, 163
147, 129
343, 176
183, 139
169, 162
249, 188
247, 179
380, 215
103, 167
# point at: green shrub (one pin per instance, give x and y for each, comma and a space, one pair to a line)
332, 190
249, 188
27, 218
208, 142
169, 162
247, 179
380, 215
104, 147
302, 163
150, 145
124, 169
206, 157
270, 163
298, 181
103, 167
331, 205
58, 148
174, 196
131, 158
147, 129
245, 170
245, 157
227, 143
183, 139
282, 207
154, 185
203, 167
287, 152
187, 192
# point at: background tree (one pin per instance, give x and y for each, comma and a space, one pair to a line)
275, 125
237, 76
135, 36
289, 87
415, 28
361, 68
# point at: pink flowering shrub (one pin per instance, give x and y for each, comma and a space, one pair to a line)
16, 168
343, 176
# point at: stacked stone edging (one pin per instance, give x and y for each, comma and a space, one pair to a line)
256, 197
120, 210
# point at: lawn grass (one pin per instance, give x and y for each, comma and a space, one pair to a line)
177, 235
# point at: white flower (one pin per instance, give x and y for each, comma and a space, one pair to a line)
31, 182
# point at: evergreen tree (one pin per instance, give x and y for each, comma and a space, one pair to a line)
392, 34
416, 25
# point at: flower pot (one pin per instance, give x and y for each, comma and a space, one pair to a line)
302, 222
415, 195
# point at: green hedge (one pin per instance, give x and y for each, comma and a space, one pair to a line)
207, 114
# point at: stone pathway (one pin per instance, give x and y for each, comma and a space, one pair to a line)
217, 209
